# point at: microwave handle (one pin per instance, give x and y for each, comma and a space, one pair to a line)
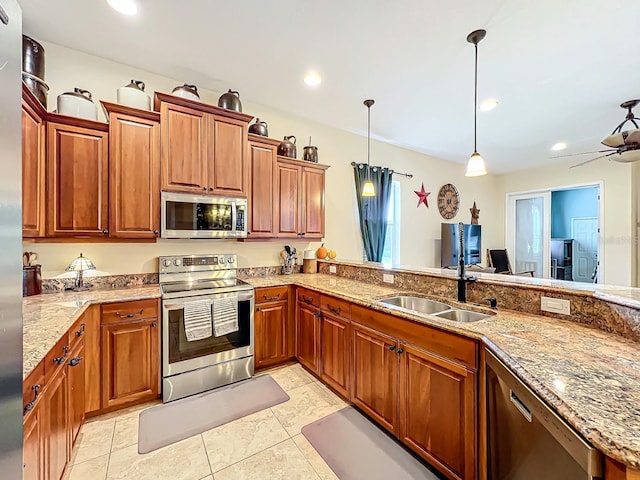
234, 218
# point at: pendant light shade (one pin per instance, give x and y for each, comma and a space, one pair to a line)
476, 165
368, 189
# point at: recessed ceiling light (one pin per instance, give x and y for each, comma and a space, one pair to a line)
312, 79
126, 7
488, 104
559, 146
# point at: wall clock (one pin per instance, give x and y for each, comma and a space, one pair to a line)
448, 201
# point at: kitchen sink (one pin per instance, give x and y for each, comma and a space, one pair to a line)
464, 316
415, 304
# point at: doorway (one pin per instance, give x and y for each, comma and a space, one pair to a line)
556, 232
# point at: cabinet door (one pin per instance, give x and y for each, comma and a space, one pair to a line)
134, 171
308, 337
438, 413
375, 372
57, 434
287, 184
334, 353
33, 175
76, 373
78, 172
92, 371
33, 453
184, 149
130, 362
271, 333
313, 202
262, 163
227, 168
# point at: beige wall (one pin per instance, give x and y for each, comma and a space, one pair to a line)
67, 69
618, 236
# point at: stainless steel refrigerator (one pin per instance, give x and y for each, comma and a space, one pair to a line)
11, 241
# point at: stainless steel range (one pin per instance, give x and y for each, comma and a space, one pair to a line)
207, 324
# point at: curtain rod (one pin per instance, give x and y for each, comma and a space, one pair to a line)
408, 175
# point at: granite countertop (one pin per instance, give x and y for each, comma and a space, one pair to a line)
47, 317
590, 377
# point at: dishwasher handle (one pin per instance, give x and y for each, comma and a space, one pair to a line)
522, 408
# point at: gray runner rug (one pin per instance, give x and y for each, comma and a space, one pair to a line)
169, 423
355, 449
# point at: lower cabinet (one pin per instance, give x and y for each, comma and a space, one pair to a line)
271, 345
56, 405
130, 362
33, 450
76, 374
308, 336
334, 353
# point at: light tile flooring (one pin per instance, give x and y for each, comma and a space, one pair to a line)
266, 445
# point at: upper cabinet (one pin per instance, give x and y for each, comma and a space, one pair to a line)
134, 172
33, 168
78, 180
263, 197
204, 148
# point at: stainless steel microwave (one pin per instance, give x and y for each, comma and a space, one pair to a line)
199, 216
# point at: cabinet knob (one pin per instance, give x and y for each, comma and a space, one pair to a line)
154, 324
211, 189
156, 232
204, 188
392, 347
105, 232
400, 350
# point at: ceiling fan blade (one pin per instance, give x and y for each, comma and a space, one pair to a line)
592, 160
585, 153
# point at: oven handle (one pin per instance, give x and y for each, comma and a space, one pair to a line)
180, 306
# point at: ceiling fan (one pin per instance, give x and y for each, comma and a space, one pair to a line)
624, 145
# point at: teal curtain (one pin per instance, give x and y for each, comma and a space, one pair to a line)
373, 210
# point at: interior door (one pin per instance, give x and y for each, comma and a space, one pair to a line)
529, 232
585, 254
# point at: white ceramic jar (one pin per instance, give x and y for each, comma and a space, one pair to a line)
77, 104
133, 96
186, 91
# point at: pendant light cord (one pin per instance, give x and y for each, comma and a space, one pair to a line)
368, 137
475, 105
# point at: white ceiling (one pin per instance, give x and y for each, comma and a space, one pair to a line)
559, 68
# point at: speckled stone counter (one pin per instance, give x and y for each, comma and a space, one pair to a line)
590, 377
47, 317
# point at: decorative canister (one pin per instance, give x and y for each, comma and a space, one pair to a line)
309, 262
133, 96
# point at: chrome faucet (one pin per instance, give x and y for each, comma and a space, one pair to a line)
462, 279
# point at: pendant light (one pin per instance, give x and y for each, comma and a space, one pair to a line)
476, 165
367, 189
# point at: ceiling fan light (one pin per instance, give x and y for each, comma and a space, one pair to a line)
368, 190
476, 166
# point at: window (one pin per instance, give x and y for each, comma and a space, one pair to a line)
391, 254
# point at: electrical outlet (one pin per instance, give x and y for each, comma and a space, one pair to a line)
333, 269
555, 305
387, 278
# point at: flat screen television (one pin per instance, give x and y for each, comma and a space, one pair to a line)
450, 244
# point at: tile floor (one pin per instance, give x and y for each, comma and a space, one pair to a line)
266, 445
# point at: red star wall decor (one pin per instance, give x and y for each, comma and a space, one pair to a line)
422, 196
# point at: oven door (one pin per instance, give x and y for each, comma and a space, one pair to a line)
197, 216
180, 355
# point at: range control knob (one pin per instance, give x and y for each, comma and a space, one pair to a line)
166, 262
222, 260
230, 260
177, 262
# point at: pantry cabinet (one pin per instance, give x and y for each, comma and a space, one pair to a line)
33, 167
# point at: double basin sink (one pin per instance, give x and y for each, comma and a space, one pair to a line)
421, 306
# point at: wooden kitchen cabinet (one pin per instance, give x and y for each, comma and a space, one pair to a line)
375, 376
204, 148
33, 450
271, 332
308, 336
130, 357
92, 363
33, 166
335, 348
300, 206
56, 406
438, 411
134, 172
262, 168
76, 378
78, 179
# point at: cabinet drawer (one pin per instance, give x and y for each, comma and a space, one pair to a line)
32, 388
127, 311
56, 357
76, 332
335, 306
271, 294
308, 297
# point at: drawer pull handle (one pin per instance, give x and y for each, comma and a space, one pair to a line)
60, 360
75, 361
80, 332
266, 297
306, 299
130, 315
29, 406
317, 314
335, 310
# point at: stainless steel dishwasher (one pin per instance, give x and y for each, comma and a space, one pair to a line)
526, 440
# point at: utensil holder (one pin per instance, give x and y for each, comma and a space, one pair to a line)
287, 269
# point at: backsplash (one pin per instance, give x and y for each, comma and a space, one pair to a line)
585, 308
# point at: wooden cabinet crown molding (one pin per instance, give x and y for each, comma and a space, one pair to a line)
109, 107
301, 163
263, 140
203, 107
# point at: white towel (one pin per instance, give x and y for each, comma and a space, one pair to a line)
197, 320
225, 315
